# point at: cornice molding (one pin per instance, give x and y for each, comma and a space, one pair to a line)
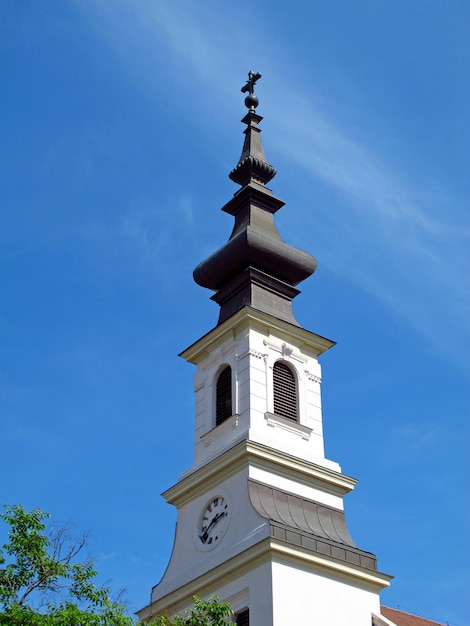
220, 355
265, 551
249, 317
347, 571
252, 454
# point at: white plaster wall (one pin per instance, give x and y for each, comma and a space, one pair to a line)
209, 440
301, 596
253, 591
189, 558
304, 438
280, 594
251, 354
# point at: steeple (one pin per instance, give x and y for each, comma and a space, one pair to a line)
255, 267
261, 520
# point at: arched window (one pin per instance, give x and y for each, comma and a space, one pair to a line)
284, 390
243, 618
223, 396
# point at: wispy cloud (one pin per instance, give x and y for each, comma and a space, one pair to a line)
417, 244
143, 230
155, 234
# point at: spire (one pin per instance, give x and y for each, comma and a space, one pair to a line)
255, 267
253, 165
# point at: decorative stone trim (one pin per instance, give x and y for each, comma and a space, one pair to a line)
229, 424
255, 353
199, 387
312, 377
277, 421
286, 351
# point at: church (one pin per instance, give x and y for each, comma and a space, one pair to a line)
261, 521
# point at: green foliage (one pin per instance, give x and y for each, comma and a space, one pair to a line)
210, 612
41, 584
36, 567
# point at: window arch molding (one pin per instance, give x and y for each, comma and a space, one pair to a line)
285, 390
223, 401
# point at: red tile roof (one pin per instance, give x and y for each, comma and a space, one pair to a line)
406, 619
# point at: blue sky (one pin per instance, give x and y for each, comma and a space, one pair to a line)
120, 124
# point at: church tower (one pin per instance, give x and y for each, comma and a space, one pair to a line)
260, 513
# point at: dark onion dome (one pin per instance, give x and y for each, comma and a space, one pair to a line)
254, 242
255, 267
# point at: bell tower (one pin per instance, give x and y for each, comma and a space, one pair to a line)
261, 520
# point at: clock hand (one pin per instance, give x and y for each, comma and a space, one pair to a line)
205, 535
212, 522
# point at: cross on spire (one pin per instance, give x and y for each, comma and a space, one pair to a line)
251, 101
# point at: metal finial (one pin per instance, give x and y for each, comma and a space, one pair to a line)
251, 101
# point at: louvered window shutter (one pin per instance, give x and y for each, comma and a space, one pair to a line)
285, 391
223, 404
243, 618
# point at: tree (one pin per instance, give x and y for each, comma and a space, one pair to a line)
37, 568
210, 612
42, 584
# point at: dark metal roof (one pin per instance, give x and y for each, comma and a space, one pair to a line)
308, 524
255, 267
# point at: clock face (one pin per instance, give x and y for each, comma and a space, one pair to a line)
213, 522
